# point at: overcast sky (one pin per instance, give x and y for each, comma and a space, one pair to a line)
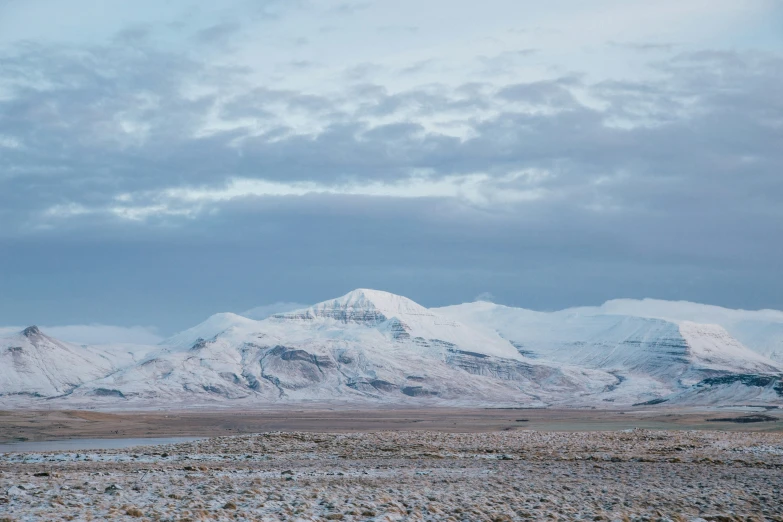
162, 161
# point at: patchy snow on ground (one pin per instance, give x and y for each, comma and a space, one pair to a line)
384, 476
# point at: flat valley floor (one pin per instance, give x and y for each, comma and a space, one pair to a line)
399, 465
35, 425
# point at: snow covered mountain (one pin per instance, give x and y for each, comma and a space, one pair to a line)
759, 330
651, 357
400, 318
370, 345
34, 364
365, 345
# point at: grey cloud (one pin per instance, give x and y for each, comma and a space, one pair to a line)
420, 102
134, 35
271, 9
505, 62
260, 102
349, 8
218, 34
577, 144
302, 64
299, 41
688, 196
418, 67
404, 29
644, 46
361, 71
436, 252
554, 93
510, 140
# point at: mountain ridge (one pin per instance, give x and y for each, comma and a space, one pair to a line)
371, 345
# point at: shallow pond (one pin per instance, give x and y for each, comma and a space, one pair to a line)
88, 444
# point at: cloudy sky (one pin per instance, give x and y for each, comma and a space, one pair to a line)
162, 161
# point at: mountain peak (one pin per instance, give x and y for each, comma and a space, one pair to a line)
379, 299
362, 305
214, 325
32, 331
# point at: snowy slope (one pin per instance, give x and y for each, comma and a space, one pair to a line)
729, 390
649, 356
711, 346
759, 330
32, 363
213, 326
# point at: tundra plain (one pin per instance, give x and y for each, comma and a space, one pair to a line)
400, 465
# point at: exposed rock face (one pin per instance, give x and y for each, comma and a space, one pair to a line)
321, 361
344, 315
479, 364
729, 390
105, 392
382, 385
418, 391
295, 369
31, 332
200, 344
399, 330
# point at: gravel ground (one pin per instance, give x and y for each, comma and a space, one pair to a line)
512, 475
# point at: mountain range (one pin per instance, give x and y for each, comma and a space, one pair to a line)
373, 346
